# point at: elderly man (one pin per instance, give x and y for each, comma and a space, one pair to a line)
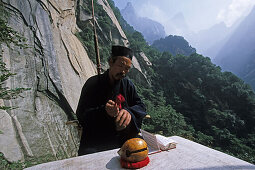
109, 109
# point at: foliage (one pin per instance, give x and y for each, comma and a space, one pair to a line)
199, 90
175, 45
9, 37
4, 164
165, 120
5, 92
19, 165
219, 105
103, 28
137, 41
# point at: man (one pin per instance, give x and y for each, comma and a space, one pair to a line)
106, 124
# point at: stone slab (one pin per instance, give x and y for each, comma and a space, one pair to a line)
187, 155
9, 145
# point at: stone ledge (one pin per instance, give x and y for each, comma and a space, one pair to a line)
187, 155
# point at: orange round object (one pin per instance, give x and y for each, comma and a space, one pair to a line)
134, 150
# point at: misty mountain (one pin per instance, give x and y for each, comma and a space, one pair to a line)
213, 50
177, 25
150, 29
209, 41
237, 55
208, 38
174, 45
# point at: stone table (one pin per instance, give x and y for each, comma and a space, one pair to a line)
187, 155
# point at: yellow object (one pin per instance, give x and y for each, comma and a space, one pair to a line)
147, 116
134, 150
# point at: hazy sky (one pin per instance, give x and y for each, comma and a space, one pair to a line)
199, 14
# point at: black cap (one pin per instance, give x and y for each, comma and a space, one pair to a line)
122, 51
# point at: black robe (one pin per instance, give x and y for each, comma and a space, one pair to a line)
99, 129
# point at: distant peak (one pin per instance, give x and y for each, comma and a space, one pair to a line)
253, 10
129, 5
220, 25
178, 18
129, 9
179, 15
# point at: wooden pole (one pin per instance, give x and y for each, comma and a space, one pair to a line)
96, 41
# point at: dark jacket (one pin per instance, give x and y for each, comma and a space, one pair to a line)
99, 131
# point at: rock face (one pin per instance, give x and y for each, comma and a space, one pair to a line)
55, 68
9, 144
118, 35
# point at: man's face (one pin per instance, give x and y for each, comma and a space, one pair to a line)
119, 68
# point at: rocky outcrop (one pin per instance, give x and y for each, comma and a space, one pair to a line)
9, 143
117, 35
54, 68
138, 72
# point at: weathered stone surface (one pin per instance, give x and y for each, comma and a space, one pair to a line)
138, 76
138, 72
136, 64
55, 68
147, 61
8, 142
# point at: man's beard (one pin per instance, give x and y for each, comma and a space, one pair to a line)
121, 75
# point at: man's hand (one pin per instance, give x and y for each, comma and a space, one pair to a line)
123, 119
111, 108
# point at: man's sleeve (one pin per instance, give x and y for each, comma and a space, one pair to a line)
135, 107
88, 111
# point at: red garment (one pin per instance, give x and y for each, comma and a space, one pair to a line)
134, 165
120, 99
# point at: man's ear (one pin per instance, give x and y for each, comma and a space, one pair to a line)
110, 62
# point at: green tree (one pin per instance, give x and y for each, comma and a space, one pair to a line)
166, 121
175, 45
